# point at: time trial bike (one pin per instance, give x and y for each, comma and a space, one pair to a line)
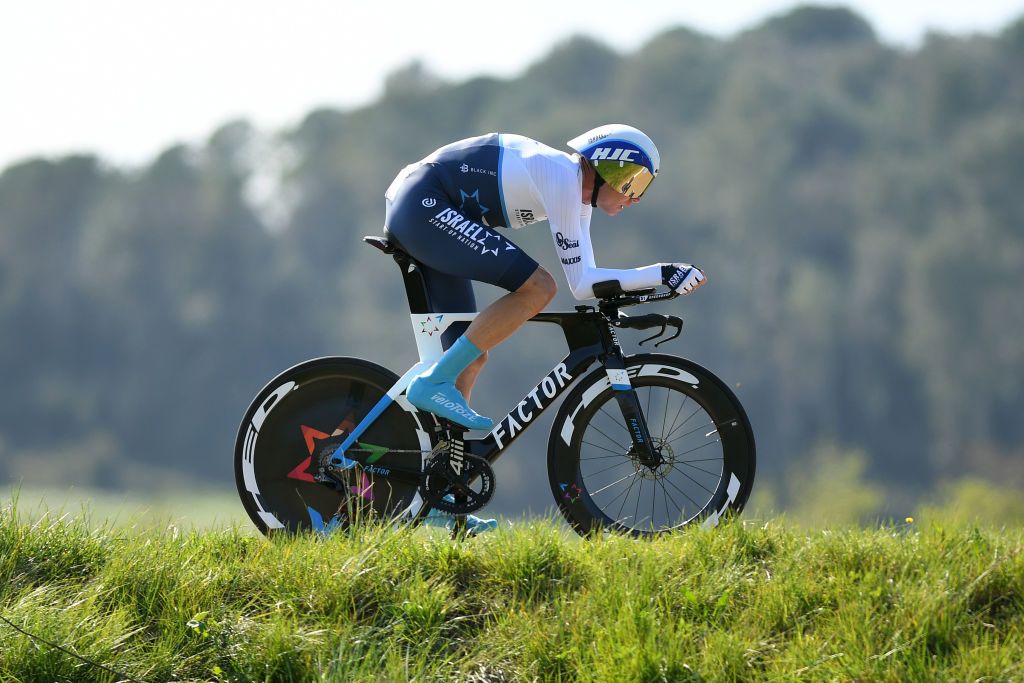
642, 444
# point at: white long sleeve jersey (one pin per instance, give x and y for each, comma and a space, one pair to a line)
533, 182
539, 182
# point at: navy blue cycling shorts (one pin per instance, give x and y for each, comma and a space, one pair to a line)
453, 247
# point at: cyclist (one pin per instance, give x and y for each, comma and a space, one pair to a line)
446, 210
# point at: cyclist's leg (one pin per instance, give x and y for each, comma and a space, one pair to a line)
467, 378
447, 293
530, 287
464, 252
435, 389
450, 294
422, 219
440, 388
462, 362
497, 322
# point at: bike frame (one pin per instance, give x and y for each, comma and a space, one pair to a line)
589, 334
590, 339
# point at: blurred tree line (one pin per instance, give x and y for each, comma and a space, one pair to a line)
858, 208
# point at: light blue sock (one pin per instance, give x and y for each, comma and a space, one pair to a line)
435, 392
453, 361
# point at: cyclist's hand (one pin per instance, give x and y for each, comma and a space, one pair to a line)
682, 277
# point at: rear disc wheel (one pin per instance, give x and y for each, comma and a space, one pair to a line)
276, 449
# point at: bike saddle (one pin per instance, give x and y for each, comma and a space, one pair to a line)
384, 244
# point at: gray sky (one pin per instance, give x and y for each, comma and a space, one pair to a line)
125, 78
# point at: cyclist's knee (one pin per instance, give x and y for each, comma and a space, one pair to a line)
540, 285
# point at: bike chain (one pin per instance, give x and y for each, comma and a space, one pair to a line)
325, 452
467, 480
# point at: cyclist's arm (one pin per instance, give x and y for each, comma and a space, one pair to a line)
571, 234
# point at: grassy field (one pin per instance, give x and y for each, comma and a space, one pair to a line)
184, 509
746, 601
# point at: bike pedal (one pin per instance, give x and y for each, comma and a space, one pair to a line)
445, 425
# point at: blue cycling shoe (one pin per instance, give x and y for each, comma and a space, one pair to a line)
434, 391
444, 400
474, 525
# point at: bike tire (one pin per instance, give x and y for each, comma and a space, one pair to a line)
303, 405
693, 417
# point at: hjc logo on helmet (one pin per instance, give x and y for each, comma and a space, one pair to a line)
609, 154
618, 142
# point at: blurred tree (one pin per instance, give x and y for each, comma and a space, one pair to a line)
830, 487
815, 25
856, 207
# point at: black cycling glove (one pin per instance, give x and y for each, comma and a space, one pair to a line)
682, 277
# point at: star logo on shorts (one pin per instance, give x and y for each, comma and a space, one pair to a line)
483, 243
473, 200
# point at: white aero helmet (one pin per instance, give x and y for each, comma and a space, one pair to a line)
623, 157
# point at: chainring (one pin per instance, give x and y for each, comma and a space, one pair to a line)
469, 478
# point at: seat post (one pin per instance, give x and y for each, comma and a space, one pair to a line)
412, 274
415, 286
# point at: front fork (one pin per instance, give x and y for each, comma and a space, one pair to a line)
629, 404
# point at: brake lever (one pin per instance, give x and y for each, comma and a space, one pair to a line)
675, 322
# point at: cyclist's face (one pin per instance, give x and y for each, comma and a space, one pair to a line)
612, 202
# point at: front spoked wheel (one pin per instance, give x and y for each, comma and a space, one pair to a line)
700, 434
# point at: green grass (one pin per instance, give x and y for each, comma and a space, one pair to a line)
741, 602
